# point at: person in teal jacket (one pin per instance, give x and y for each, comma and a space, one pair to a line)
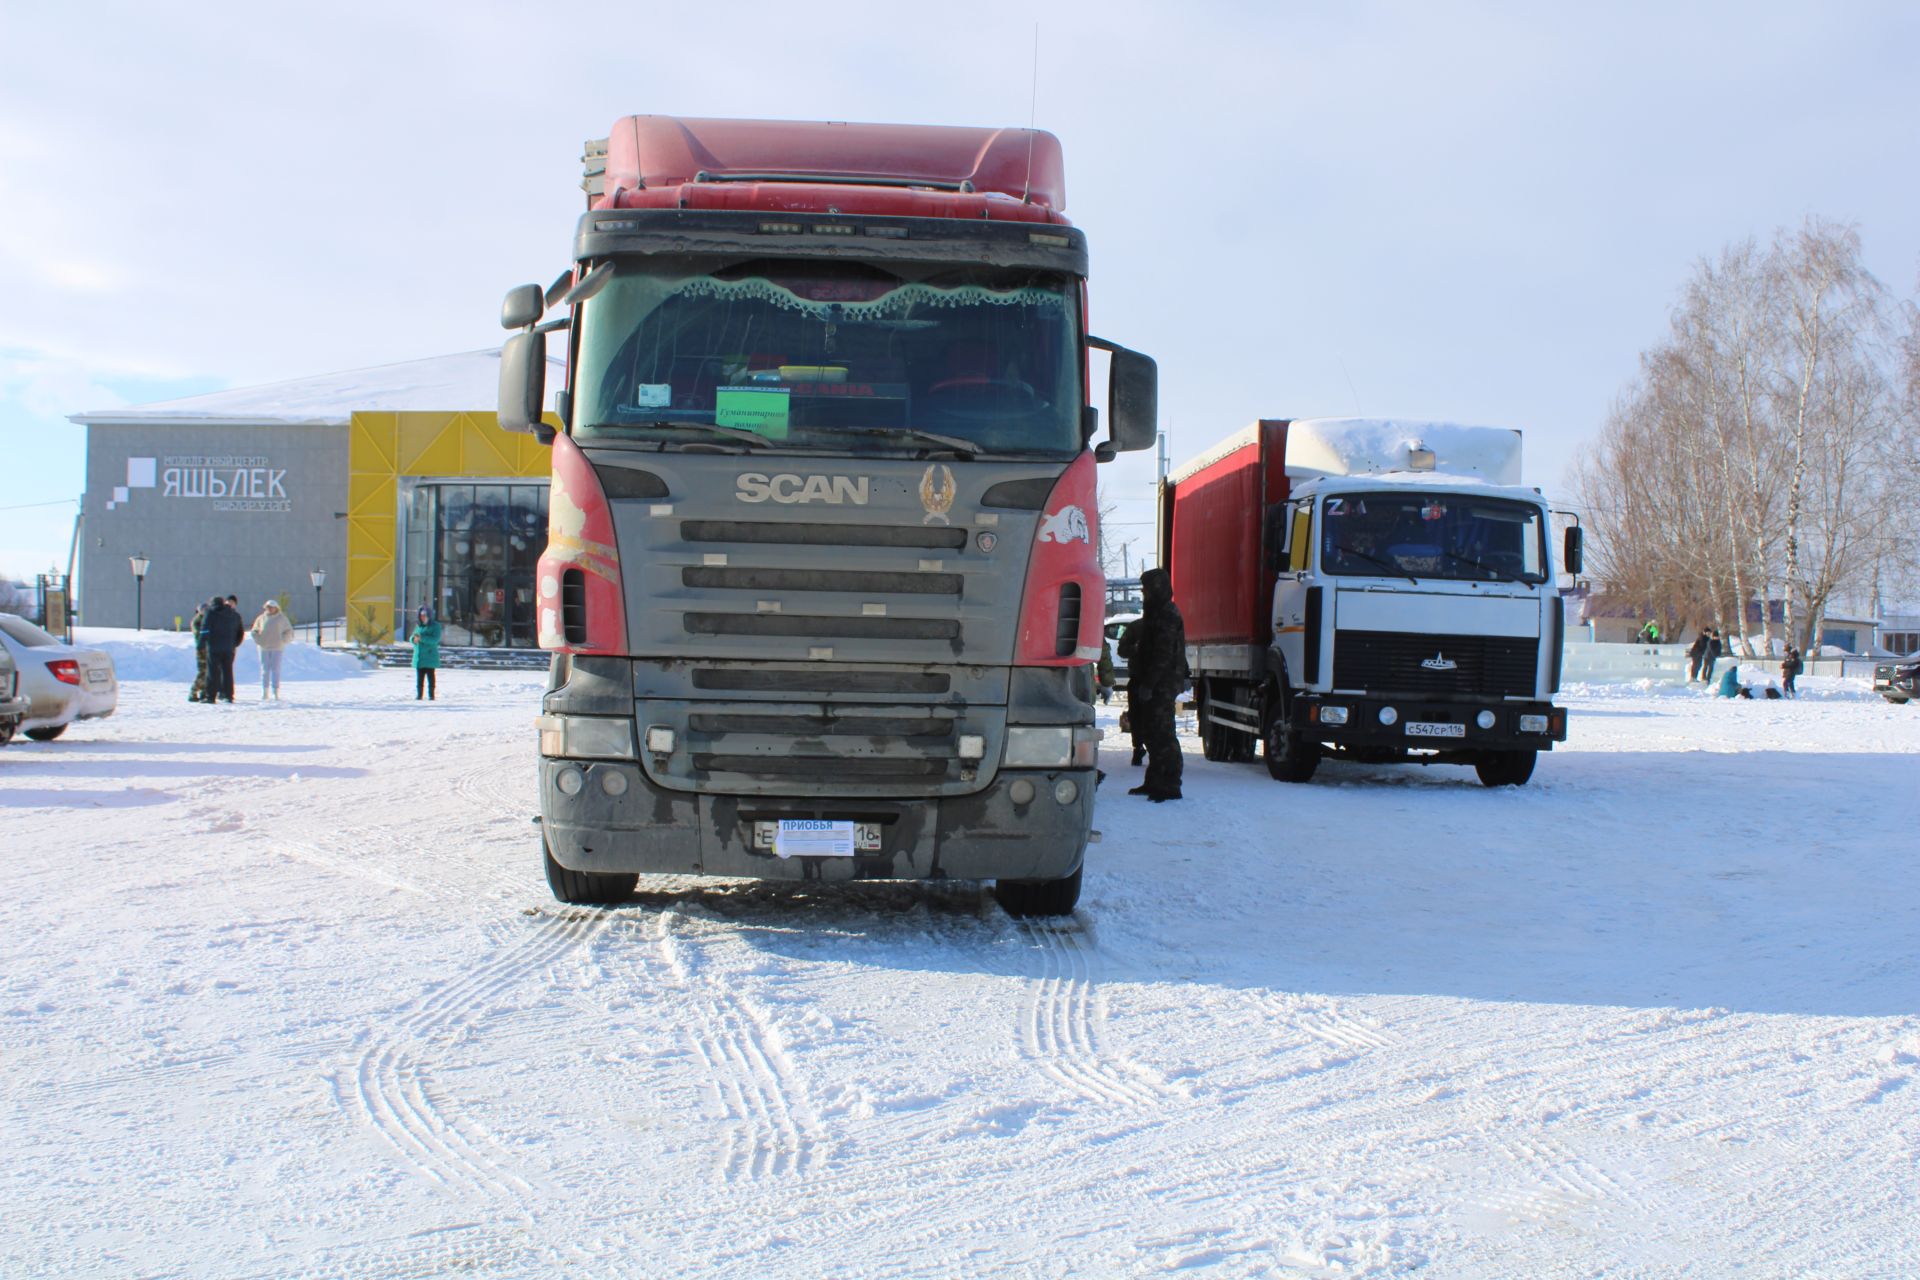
426, 653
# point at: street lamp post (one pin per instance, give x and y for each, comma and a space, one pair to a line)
140, 564
319, 579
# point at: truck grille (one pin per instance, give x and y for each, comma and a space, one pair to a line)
1386, 661
868, 749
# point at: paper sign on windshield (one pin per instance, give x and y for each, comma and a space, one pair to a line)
761, 409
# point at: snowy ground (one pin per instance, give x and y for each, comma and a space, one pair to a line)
283, 994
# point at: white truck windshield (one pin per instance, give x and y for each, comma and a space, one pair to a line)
1414, 534
844, 357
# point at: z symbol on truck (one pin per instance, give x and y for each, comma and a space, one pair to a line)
1068, 524
1440, 662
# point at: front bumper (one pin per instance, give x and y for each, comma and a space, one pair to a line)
1364, 729
984, 835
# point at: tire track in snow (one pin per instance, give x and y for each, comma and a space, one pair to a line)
1060, 1028
392, 1088
1326, 1022
771, 1131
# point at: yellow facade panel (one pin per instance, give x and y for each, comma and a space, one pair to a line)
383, 448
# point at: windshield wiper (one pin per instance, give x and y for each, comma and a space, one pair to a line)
965, 448
1389, 566
1484, 567
752, 438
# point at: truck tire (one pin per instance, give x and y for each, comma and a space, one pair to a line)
6, 731
1024, 898
46, 732
586, 888
1505, 768
1290, 757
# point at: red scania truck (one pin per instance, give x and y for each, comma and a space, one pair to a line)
821, 581
1368, 589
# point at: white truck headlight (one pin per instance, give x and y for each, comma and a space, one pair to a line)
1333, 715
973, 746
1038, 747
1533, 724
1485, 719
586, 737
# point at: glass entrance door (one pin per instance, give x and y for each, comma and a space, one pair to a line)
472, 553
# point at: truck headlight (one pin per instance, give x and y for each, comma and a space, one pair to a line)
1038, 747
1333, 715
1533, 724
1051, 747
1389, 716
1485, 719
586, 737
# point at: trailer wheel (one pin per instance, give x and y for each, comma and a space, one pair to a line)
1215, 741
1290, 757
1024, 898
1505, 768
586, 888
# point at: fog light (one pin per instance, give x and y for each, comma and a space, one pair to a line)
570, 782
1484, 719
1333, 715
973, 746
1389, 716
1021, 792
660, 740
1533, 724
1065, 791
613, 782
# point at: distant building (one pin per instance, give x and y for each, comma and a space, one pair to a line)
397, 481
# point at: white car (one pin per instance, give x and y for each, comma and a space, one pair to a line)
63, 683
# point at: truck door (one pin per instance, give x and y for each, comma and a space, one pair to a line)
1290, 589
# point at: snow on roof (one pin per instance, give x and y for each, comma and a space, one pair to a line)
1382, 446
467, 381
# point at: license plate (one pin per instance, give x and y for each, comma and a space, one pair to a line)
810, 838
97, 677
1432, 729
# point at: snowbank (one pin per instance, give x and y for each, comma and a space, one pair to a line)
1754, 676
168, 655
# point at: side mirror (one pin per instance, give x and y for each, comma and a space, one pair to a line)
523, 382
523, 308
1133, 398
1570, 553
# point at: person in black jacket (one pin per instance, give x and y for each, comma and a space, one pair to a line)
223, 628
1712, 655
1696, 654
1155, 649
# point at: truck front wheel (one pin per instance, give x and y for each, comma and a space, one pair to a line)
586, 888
1505, 768
1023, 898
1290, 757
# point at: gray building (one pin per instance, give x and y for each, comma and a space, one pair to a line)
246, 492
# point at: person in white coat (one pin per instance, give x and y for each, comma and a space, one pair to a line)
273, 633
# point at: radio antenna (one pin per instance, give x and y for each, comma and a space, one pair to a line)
1033, 107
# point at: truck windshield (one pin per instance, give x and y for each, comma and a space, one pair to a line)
1432, 535
841, 357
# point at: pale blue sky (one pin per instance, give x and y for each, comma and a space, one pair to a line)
1474, 212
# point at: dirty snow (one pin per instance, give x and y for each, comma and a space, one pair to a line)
284, 995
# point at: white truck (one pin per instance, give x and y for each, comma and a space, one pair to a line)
1372, 590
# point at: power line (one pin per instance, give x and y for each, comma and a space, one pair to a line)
64, 502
